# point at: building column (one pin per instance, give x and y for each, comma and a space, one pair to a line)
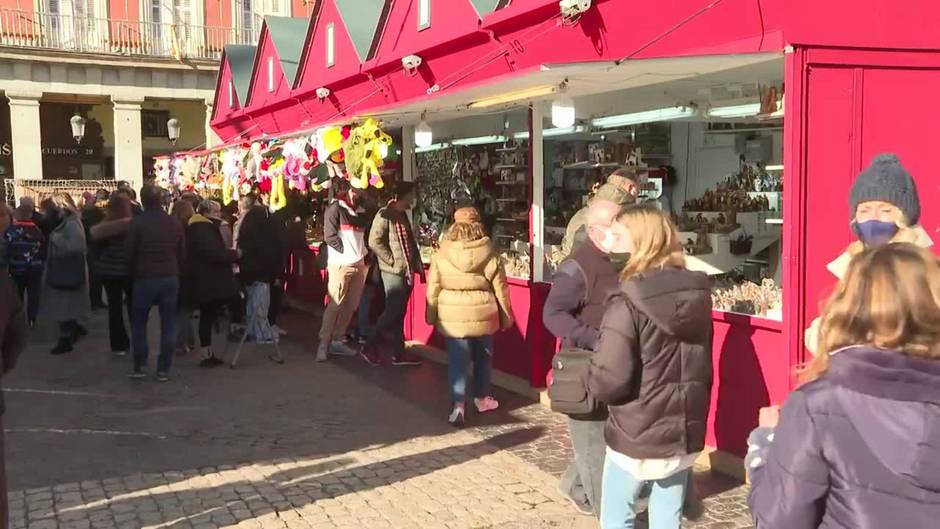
537, 214
212, 139
128, 142
26, 135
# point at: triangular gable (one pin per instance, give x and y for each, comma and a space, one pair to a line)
485, 7
314, 71
240, 59
450, 19
259, 92
362, 18
288, 36
220, 103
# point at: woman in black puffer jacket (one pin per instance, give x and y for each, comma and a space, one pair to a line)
113, 267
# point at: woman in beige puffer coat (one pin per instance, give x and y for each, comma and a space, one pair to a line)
468, 301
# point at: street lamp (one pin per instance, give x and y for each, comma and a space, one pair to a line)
78, 127
173, 130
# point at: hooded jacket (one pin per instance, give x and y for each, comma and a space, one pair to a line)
653, 364
858, 448
111, 258
467, 295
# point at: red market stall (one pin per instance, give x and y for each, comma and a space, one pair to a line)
751, 119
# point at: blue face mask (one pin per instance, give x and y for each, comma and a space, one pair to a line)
875, 232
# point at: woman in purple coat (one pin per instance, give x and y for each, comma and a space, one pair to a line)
859, 445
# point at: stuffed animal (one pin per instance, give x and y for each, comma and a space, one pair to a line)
356, 157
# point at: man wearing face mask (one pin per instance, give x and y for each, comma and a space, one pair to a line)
344, 233
622, 188
573, 313
884, 207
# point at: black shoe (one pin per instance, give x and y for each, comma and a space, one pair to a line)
207, 362
216, 361
61, 348
406, 359
137, 374
81, 331
163, 376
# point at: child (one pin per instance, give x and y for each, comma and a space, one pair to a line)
859, 445
468, 301
24, 246
653, 367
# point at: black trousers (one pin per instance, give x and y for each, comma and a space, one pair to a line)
119, 294
277, 298
208, 316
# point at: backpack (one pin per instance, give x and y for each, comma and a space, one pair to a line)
23, 248
568, 390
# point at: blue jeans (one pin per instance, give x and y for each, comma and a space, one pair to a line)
459, 352
621, 491
162, 292
363, 326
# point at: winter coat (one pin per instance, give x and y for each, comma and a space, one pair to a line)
385, 242
14, 333
262, 250
66, 305
22, 248
110, 237
653, 364
155, 245
209, 277
858, 448
467, 295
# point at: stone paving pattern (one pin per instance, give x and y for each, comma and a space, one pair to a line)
300, 446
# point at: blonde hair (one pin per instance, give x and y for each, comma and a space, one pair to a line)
890, 299
656, 244
464, 232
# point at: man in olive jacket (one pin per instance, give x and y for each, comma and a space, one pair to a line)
393, 242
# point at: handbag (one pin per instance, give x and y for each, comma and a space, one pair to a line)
66, 271
568, 390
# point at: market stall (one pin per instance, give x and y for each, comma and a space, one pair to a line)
692, 91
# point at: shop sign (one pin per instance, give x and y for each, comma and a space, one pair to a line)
77, 150
6, 149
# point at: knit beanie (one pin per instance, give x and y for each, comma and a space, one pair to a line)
886, 180
468, 215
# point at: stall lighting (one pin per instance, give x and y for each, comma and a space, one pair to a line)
649, 116
512, 97
563, 114
423, 135
433, 147
479, 140
173, 130
78, 127
774, 168
548, 133
735, 111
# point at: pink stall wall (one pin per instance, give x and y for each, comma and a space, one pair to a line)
220, 108
258, 95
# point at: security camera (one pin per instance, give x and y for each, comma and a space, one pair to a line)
571, 9
411, 62
323, 93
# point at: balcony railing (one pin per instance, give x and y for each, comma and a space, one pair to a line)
29, 29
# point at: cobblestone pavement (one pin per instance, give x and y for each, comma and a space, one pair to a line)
302, 445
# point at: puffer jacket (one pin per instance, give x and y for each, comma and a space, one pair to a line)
859, 448
467, 295
111, 258
208, 276
653, 364
384, 241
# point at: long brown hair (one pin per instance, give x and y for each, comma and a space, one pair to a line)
889, 299
656, 243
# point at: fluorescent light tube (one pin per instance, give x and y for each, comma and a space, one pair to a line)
432, 147
649, 116
736, 111
479, 140
548, 133
511, 97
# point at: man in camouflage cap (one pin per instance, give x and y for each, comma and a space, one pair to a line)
622, 188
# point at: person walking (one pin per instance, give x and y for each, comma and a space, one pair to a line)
393, 242
858, 444
653, 369
13, 338
884, 206
211, 283
344, 233
22, 253
65, 284
156, 251
573, 313
467, 302
112, 266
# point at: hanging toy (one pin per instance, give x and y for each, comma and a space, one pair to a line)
377, 149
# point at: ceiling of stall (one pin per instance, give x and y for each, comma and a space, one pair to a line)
603, 88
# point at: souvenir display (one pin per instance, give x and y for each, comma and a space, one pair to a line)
764, 300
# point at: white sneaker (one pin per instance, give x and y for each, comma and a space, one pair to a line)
279, 330
322, 351
341, 349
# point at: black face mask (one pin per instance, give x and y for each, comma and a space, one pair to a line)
619, 260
